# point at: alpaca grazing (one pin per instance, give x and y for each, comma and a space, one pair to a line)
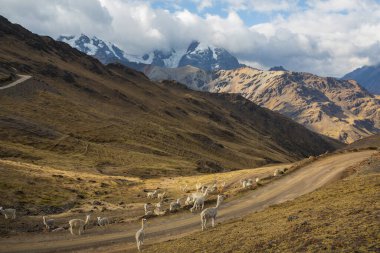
8, 213
175, 206
140, 234
152, 195
246, 183
278, 172
103, 222
161, 195
78, 225
189, 200
49, 223
210, 213
159, 209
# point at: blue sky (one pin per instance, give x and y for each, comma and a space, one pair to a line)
325, 37
221, 8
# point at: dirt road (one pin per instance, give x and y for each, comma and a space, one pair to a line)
120, 238
22, 78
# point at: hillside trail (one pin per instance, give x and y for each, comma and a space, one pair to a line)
120, 237
22, 79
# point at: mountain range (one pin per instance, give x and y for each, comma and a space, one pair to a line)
336, 108
340, 109
78, 114
206, 57
367, 76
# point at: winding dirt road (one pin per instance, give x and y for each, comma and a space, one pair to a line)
120, 237
22, 79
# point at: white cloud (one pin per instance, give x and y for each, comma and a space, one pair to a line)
262, 5
203, 4
327, 37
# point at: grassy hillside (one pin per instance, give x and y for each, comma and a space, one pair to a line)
341, 217
79, 115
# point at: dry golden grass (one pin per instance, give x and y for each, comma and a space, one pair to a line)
341, 217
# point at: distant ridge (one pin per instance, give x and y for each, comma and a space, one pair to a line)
367, 76
277, 68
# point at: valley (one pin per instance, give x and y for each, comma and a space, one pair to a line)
318, 173
171, 118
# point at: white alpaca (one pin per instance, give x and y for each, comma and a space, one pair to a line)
246, 183
175, 206
159, 204
147, 207
78, 225
8, 213
189, 200
158, 210
161, 195
140, 234
210, 213
103, 222
49, 223
152, 195
199, 201
278, 172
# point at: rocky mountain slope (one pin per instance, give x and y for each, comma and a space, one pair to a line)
336, 108
340, 109
79, 115
367, 76
206, 57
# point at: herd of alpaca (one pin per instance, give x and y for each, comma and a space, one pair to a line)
196, 200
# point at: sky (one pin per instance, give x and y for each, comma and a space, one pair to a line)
324, 37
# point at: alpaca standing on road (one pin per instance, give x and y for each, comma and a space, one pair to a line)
78, 225
103, 222
140, 234
199, 201
210, 213
49, 224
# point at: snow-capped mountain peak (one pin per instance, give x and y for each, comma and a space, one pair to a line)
208, 57
198, 54
106, 52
